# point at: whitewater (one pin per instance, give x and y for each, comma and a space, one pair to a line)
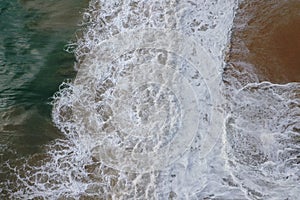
150, 114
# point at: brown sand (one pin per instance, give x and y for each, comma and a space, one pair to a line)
266, 35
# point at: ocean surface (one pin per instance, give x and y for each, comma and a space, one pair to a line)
34, 63
149, 99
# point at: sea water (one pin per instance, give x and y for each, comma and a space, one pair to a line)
33, 64
151, 115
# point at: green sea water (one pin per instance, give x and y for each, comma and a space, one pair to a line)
33, 63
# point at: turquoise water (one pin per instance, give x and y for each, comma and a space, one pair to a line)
33, 63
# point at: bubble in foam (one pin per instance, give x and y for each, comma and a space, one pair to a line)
144, 99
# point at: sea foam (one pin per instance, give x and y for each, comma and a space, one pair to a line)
148, 116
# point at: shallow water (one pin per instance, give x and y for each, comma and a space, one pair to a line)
265, 39
151, 115
262, 127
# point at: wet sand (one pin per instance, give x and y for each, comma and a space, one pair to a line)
266, 40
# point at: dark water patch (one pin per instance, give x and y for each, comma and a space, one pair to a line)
265, 41
33, 63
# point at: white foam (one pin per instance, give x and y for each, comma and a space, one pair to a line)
263, 139
149, 60
144, 116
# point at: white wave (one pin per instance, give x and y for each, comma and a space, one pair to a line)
145, 119
262, 134
146, 100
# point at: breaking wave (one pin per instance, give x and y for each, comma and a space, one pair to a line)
148, 115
